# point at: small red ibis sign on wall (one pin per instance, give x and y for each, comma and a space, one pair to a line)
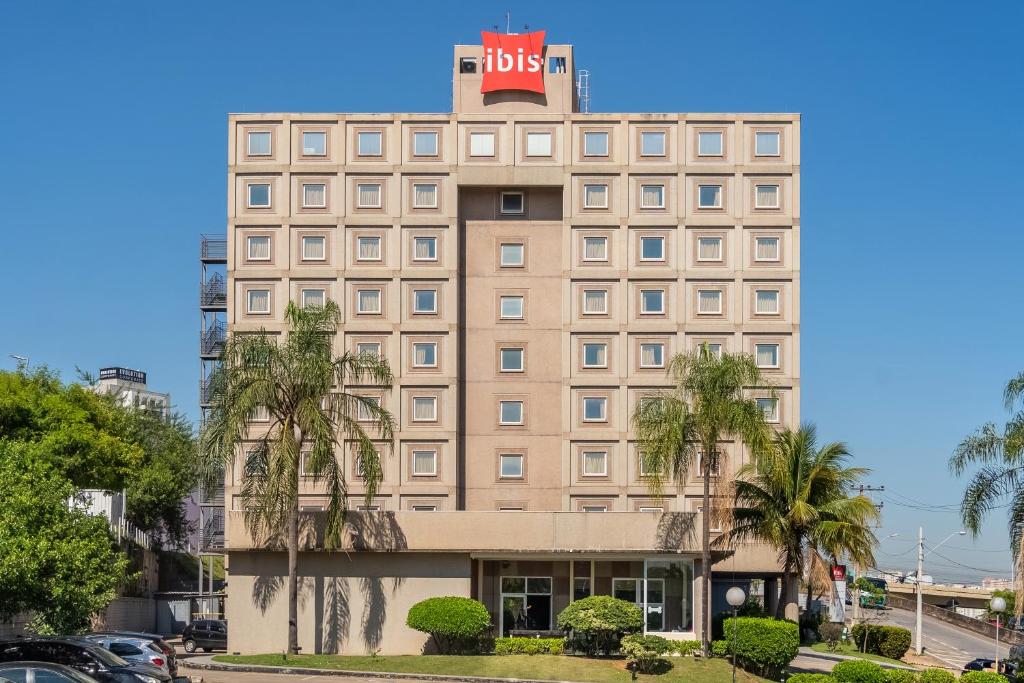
839, 572
513, 61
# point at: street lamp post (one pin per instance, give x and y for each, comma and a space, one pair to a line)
918, 645
997, 605
735, 597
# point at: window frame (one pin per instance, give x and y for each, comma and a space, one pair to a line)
640, 360
643, 187
380, 143
605, 297
606, 134
778, 143
501, 412
359, 251
302, 295
539, 133
437, 193
419, 366
302, 193
481, 134
664, 143
434, 240
721, 143
600, 365
778, 355
646, 259
380, 195
721, 249
415, 302
778, 196
643, 300
437, 144
502, 298
302, 143
586, 198
721, 196
776, 411
601, 259
359, 300
721, 302
583, 463
521, 457
778, 248
413, 402
778, 302
248, 301
270, 195
302, 248
521, 370
248, 248
501, 254
512, 193
604, 409
248, 144
433, 462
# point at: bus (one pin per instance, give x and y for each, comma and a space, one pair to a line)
878, 601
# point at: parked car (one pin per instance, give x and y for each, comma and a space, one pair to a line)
155, 638
135, 650
980, 664
41, 672
205, 634
88, 658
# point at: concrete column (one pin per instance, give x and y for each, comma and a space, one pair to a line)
771, 596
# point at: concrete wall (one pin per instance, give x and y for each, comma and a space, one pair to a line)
123, 614
959, 620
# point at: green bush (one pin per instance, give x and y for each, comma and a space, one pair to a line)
454, 623
831, 634
874, 636
597, 623
936, 676
529, 646
719, 648
900, 676
686, 648
645, 653
894, 643
982, 677
750, 608
810, 678
858, 671
763, 646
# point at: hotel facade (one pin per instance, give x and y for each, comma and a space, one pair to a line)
527, 270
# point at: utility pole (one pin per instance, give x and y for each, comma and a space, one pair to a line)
918, 647
864, 489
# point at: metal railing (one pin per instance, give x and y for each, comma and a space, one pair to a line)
211, 342
213, 248
213, 292
213, 529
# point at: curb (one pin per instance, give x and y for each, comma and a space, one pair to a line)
308, 671
808, 652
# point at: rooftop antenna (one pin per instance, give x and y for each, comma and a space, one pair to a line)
508, 20
583, 90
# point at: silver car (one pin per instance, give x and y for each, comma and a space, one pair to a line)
136, 650
41, 672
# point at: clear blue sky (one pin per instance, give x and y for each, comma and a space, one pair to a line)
113, 159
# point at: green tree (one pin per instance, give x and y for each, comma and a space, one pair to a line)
299, 383
798, 498
707, 404
1011, 603
55, 560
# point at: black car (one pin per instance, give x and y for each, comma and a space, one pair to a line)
980, 664
205, 634
42, 672
91, 660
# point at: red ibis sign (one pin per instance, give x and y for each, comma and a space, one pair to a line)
513, 61
839, 572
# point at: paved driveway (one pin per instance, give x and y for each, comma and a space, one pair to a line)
953, 645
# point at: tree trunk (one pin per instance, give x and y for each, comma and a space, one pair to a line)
293, 582
780, 609
705, 559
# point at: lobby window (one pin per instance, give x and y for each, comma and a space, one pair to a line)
652, 143
424, 301
424, 196
652, 196
511, 307
258, 247
769, 408
510, 465
709, 248
368, 349
652, 355
258, 196
766, 197
314, 248
424, 355
259, 143
513, 255
424, 463
766, 301
652, 301
258, 301
709, 301
368, 196
766, 249
538, 144
595, 355
595, 409
510, 412
512, 203
481, 144
595, 301
368, 301
314, 195
766, 144
424, 144
365, 408
424, 409
767, 355
370, 143
511, 360
368, 248
314, 144
595, 248
709, 144
652, 248
595, 196
709, 196
312, 298
595, 143
595, 463
424, 248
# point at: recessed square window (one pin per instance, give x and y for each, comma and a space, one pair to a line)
369, 349
259, 414
314, 195
595, 409
652, 355
368, 248
766, 197
766, 249
424, 144
511, 307
595, 355
368, 196
510, 412
312, 298
709, 196
709, 301
511, 360
652, 248
766, 355
595, 143
424, 196
769, 408
467, 65
510, 465
595, 196
538, 144
766, 144
512, 203
424, 248
652, 196
595, 463
314, 143
595, 301
713, 349
709, 143
368, 301
424, 463
258, 301
370, 143
424, 409
652, 301
258, 247
652, 143
258, 196
365, 408
481, 144
709, 248
595, 508
424, 301
513, 255
595, 248
424, 354
259, 143
766, 301
314, 248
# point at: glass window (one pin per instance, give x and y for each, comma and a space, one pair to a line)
595, 143
652, 301
709, 196
368, 301
510, 465
314, 143
424, 196
314, 195
511, 360
652, 196
595, 508
595, 196
368, 195
652, 248
713, 349
424, 463
595, 248
512, 202
424, 408
595, 301
770, 408
709, 248
767, 301
767, 355
709, 301
258, 300
424, 354
595, 463
513, 255
766, 197
538, 144
510, 412
368, 248
259, 195
481, 144
368, 349
424, 249
595, 355
424, 301
595, 409
766, 144
314, 248
511, 307
709, 144
766, 249
424, 144
258, 247
370, 143
312, 298
259, 143
652, 143
424, 508
652, 355
364, 408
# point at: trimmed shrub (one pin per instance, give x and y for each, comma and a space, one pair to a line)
686, 648
763, 646
858, 671
529, 646
750, 608
894, 643
900, 676
831, 634
719, 648
810, 678
597, 623
936, 676
645, 653
455, 623
982, 677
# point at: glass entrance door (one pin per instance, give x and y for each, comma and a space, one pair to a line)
631, 590
525, 603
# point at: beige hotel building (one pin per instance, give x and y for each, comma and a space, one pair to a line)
527, 270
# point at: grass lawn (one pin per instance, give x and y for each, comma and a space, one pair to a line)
542, 667
851, 651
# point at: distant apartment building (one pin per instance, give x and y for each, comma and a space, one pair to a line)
528, 270
131, 389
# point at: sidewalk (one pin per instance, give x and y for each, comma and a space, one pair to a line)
835, 658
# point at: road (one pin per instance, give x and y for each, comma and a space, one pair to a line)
953, 645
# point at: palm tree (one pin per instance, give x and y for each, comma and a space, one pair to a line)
681, 430
798, 498
999, 479
301, 387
